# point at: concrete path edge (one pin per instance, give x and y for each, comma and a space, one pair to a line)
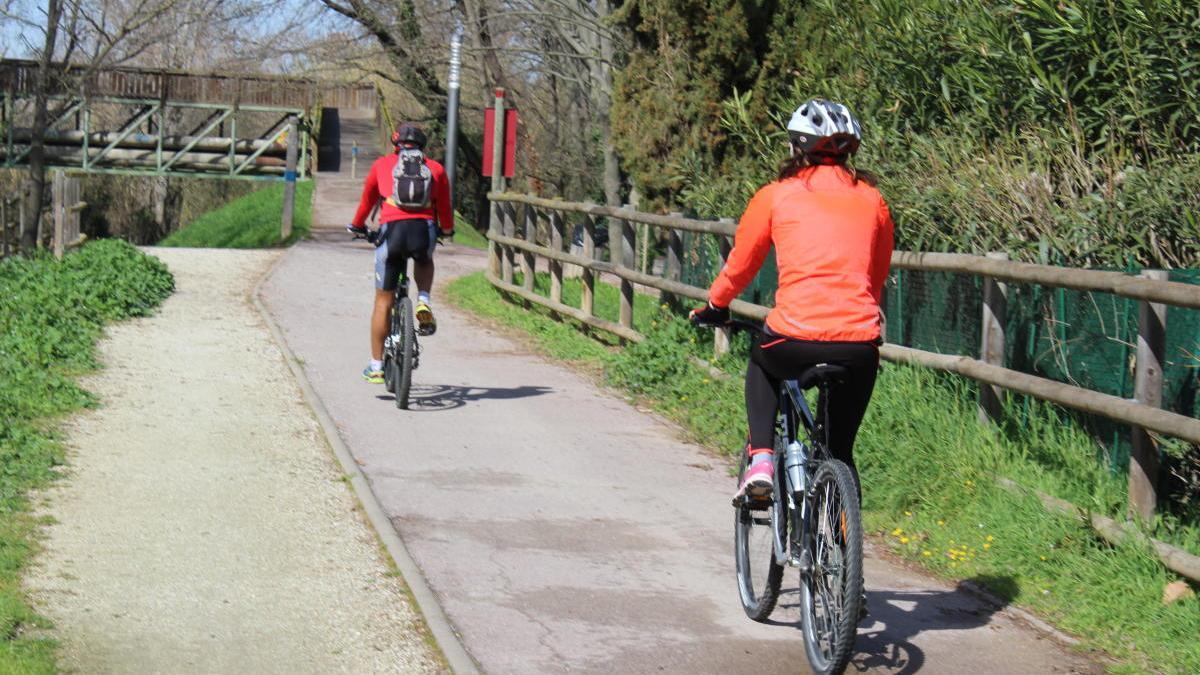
447, 638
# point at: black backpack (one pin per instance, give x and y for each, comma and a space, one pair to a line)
412, 182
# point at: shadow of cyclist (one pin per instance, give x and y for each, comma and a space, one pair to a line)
438, 397
884, 642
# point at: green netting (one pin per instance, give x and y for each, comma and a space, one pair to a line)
1082, 338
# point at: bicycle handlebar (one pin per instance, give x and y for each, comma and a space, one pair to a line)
734, 323
372, 235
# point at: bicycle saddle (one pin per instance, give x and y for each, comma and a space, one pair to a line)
822, 372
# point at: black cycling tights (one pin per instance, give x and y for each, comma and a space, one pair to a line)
775, 358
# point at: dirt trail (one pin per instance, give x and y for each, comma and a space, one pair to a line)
566, 531
203, 525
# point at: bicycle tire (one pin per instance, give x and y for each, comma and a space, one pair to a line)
754, 530
404, 356
389, 353
829, 635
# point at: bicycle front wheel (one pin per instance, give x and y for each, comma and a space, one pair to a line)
404, 353
831, 592
759, 574
390, 369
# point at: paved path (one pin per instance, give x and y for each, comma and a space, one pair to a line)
563, 529
204, 525
338, 187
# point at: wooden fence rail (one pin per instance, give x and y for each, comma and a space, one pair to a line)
503, 234
1143, 413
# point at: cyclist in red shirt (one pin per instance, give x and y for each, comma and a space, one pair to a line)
415, 213
833, 238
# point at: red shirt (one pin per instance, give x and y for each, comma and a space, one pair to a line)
833, 246
378, 187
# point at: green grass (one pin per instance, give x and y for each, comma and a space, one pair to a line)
928, 471
465, 234
252, 221
51, 314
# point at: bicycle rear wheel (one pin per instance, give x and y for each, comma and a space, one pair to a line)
759, 574
404, 353
831, 593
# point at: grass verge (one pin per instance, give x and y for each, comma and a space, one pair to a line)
928, 471
252, 221
51, 315
465, 234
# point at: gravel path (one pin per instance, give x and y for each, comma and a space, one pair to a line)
203, 525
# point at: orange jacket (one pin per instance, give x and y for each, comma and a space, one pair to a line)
833, 245
378, 187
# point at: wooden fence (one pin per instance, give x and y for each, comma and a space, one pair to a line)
514, 230
61, 233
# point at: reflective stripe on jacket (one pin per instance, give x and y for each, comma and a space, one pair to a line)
833, 245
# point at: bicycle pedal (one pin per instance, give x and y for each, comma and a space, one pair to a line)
751, 502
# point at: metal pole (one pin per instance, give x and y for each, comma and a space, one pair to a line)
1148, 386
289, 180
452, 109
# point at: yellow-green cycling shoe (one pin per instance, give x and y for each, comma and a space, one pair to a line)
372, 376
426, 324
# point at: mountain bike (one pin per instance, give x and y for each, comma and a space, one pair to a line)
811, 522
401, 351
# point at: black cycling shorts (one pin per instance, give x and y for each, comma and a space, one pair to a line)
398, 241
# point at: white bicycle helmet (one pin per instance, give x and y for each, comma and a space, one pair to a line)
820, 127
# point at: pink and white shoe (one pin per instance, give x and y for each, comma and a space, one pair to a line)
757, 483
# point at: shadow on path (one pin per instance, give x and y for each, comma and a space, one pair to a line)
438, 397
884, 642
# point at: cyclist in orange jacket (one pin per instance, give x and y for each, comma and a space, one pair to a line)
833, 238
410, 229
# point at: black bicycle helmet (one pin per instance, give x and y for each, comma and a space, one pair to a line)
409, 133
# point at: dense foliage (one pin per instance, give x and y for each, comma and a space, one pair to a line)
51, 314
1043, 128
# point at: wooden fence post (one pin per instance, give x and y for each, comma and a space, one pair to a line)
1148, 384
622, 252
528, 261
588, 276
59, 200
20, 219
991, 348
722, 335
495, 223
673, 267
5, 251
509, 229
289, 178
557, 235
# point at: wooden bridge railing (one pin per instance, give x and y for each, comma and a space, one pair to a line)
514, 228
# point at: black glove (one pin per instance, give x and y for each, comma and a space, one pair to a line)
443, 235
709, 315
357, 230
